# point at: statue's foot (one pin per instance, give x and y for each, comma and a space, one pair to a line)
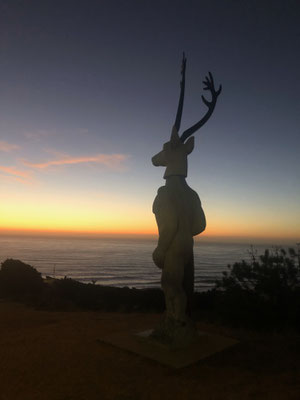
174, 333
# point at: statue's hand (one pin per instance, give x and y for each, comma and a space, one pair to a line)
158, 258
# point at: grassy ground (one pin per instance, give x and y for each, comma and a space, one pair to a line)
56, 356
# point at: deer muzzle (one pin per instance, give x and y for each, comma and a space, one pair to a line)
158, 160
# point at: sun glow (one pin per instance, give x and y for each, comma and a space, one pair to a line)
71, 208
109, 217
74, 215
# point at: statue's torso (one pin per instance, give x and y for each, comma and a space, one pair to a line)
179, 205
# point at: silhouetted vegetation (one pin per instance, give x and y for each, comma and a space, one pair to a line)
22, 282
263, 293
68, 292
19, 280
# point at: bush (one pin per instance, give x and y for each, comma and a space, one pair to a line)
18, 279
97, 297
264, 292
22, 282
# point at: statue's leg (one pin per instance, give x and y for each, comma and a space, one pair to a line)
188, 284
172, 284
176, 329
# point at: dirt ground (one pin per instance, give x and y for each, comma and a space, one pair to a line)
56, 356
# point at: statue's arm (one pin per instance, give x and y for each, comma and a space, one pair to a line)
167, 227
199, 222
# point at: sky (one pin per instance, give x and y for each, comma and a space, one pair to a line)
89, 92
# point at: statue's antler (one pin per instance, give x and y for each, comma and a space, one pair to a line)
181, 98
208, 85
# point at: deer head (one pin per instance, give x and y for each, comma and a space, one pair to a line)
174, 153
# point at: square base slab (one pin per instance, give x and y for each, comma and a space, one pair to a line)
142, 344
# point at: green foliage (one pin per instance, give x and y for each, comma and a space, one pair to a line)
97, 297
19, 280
22, 282
264, 292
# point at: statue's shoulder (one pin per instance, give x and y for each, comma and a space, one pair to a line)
162, 200
165, 193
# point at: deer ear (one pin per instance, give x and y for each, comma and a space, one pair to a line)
189, 145
174, 137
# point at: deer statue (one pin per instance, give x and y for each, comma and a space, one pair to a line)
179, 217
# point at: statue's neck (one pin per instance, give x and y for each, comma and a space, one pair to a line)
175, 180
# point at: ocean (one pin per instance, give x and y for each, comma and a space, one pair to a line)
117, 261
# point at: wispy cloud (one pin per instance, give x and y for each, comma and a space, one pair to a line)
27, 176
14, 171
11, 173
113, 161
36, 135
5, 146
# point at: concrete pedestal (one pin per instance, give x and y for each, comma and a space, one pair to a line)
142, 344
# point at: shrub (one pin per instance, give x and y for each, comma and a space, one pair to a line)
97, 297
18, 279
264, 292
22, 282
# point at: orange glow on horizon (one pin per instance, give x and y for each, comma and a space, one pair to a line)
207, 235
41, 213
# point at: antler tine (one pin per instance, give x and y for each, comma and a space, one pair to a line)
181, 97
208, 85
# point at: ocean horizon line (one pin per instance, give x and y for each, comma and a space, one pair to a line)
276, 240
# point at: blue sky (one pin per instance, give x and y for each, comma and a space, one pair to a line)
81, 80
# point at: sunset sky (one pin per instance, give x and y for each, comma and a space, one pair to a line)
88, 94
